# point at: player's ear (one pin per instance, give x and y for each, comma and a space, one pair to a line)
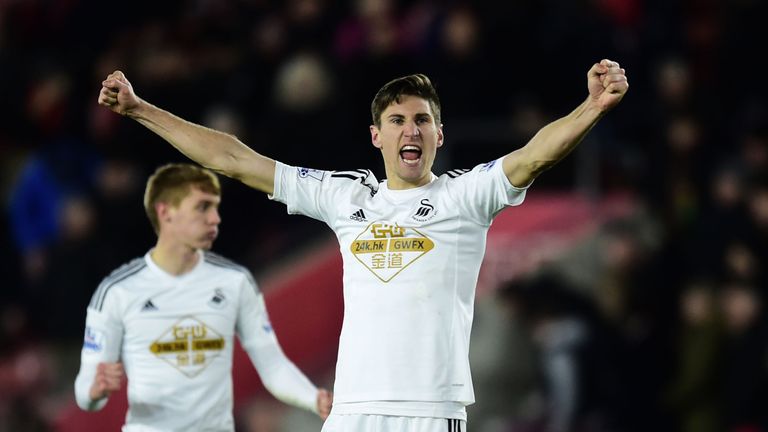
163, 211
375, 136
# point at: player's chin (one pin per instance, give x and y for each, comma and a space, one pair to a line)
205, 244
413, 174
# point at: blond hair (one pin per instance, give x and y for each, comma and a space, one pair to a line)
171, 183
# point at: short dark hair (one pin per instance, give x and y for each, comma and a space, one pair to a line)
171, 183
411, 85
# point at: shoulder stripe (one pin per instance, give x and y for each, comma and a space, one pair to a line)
211, 256
456, 172
220, 261
352, 174
364, 176
123, 269
355, 172
349, 176
124, 272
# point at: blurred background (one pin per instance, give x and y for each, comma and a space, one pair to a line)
626, 294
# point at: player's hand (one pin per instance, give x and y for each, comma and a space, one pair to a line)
108, 379
607, 84
117, 94
324, 402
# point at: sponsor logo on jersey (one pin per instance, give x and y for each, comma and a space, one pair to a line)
189, 345
148, 306
311, 173
93, 340
358, 216
425, 212
218, 301
387, 249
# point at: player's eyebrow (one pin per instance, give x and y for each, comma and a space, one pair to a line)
205, 201
417, 115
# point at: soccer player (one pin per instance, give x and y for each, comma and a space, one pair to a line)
411, 244
167, 321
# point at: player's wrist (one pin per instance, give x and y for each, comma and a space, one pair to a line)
96, 396
138, 110
97, 393
593, 109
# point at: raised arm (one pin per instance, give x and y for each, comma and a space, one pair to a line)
607, 84
215, 150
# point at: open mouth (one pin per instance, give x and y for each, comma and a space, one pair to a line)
410, 154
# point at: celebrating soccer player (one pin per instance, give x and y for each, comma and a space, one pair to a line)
412, 244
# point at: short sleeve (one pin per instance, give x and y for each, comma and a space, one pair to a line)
304, 191
484, 191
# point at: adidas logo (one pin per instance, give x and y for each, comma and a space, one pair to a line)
149, 306
358, 216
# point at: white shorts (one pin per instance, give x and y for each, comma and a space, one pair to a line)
380, 423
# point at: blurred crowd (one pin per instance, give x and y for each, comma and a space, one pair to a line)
667, 332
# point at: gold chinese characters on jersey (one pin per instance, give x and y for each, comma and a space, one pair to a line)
189, 346
387, 249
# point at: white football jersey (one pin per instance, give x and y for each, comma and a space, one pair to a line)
411, 262
175, 337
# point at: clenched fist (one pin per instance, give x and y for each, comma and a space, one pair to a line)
117, 94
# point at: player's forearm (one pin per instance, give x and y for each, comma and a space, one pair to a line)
551, 144
280, 375
216, 150
291, 386
554, 141
83, 384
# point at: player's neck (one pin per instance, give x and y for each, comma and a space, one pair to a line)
396, 183
174, 258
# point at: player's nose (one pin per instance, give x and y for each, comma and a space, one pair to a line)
412, 129
214, 218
